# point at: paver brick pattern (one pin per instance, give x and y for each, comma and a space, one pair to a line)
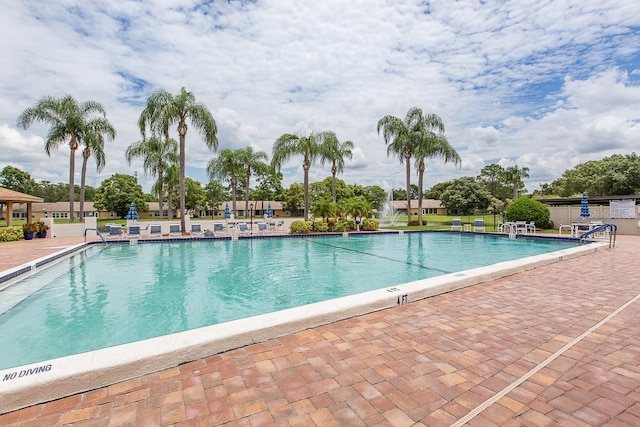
427, 363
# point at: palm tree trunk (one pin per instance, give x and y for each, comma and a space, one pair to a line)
83, 177
420, 178
515, 190
182, 131
160, 193
334, 172
246, 196
306, 192
234, 182
72, 168
407, 159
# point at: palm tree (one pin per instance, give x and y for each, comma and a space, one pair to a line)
68, 121
164, 110
323, 208
335, 152
514, 175
289, 145
431, 143
227, 166
94, 143
251, 160
400, 137
157, 155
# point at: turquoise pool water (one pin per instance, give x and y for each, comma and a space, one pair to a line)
110, 295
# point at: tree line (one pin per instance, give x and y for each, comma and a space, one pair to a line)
417, 137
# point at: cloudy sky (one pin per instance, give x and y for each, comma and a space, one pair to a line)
545, 84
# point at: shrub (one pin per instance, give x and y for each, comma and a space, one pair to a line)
11, 234
370, 224
345, 225
526, 209
301, 227
320, 226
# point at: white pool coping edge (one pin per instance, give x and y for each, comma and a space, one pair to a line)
53, 379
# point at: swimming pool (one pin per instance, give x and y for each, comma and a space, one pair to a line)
116, 294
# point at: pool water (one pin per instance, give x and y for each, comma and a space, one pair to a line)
115, 294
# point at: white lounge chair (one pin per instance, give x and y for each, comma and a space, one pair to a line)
155, 230
174, 230
243, 228
134, 231
115, 231
196, 230
263, 227
478, 224
456, 224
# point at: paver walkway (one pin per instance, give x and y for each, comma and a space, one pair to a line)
559, 345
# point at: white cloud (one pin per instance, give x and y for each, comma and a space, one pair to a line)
543, 84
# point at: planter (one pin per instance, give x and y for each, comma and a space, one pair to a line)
28, 236
42, 234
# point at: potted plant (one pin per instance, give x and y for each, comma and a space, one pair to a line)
42, 230
29, 229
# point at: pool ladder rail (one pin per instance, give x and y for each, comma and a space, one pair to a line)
97, 232
611, 228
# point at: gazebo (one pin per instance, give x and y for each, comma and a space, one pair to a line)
9, 197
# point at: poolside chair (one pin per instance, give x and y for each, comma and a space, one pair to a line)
174, 230
263, 227
218, 227
456, 224
155, 230
531, 227
243, 228
115, 231
478, 225
134, 231
196, 230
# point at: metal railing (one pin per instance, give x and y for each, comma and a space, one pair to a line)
611, 228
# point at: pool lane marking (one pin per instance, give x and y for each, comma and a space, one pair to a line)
378, 256
535, 370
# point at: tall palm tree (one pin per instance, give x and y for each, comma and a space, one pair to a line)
514, 175
227, 166
400, 136
68, 124
165, 110
94, 143
157, 154
335, 152
431, 142
289, 145
251, 160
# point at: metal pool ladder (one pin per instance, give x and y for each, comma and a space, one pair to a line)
97, 231
612, 228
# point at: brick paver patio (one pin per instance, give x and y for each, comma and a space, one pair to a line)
559, 345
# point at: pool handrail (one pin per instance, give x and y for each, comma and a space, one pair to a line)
97, 232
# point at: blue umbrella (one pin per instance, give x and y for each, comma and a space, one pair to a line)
269, 211
227, 212
133, 213
584, 206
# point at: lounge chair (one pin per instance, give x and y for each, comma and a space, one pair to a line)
196, 230
155, 230
174, 230
218, 227
456, 224
115, 231
243, 227
478, 225
263, 227
531, 227
133, 231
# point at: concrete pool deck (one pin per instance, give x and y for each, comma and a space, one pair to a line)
550, 346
